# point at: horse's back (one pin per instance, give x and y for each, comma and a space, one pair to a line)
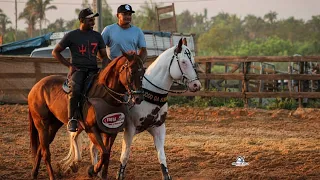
47, 97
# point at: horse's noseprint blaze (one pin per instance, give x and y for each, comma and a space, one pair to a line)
48, 109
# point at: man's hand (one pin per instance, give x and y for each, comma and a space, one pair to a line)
56, 53
143, 54
72, 69
102, 55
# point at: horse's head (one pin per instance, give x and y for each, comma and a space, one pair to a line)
183, 66
124, 73
131, 75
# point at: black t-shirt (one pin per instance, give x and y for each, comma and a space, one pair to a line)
84, 47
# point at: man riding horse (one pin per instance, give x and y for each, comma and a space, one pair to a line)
85, 44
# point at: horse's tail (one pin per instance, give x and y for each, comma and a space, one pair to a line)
34, 136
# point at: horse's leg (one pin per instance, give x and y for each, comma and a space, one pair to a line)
93, 154
126, 143
108, 142
98, 142
34, 143
45, 151
74, 154
40, 139
36, 164
159, 134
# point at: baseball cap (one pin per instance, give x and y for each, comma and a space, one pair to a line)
125, 8
87, 13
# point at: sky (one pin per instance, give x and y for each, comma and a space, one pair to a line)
300, 9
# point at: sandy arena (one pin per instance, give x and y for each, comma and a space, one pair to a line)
201, 143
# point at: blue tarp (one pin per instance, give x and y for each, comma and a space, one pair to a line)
25, 46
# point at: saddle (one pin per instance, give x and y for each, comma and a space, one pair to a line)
87, 84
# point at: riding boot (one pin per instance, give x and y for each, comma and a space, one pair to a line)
73, 122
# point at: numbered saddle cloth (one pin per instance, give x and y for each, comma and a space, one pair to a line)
110, 119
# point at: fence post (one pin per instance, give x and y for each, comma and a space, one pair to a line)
261, 87
208, 71
226, 81
300, 87
245, 70
37, 72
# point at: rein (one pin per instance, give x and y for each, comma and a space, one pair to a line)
170, 91
129, 90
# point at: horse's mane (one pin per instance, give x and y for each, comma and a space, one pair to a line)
103, 75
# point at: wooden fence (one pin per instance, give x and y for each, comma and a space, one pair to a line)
19, 74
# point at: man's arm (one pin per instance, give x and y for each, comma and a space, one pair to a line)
102, 55
56, 53
143, 54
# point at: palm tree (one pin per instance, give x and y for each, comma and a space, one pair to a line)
57, 26
253, 25
30, 18
146, 18
271, 17
39, 8
4, 21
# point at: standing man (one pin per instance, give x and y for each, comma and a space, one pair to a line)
124, 36
85, 44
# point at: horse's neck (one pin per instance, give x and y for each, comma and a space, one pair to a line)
100, 91
158, 73
97, 91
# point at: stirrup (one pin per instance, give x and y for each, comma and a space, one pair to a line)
72, 125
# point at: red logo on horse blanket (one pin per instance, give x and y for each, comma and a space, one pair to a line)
113, 120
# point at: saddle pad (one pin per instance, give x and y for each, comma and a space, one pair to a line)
110, 119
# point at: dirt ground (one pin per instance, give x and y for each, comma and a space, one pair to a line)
201, 143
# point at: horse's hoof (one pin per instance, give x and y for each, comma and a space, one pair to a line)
165, 173
74, 167
168, 177
91, 171
120, 175
34, 175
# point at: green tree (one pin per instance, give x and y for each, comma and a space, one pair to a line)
185, 22
107, 17
225, 30
146, 18
313, 26
57, 26
4, 21
253, 26
38, 8
196, 23
30, 19
271, 17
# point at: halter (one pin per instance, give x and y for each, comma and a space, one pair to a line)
130, 90
184, 78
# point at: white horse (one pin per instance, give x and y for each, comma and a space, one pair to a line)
176, 63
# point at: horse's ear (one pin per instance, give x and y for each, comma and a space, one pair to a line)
179, 47
184, 41
128, 56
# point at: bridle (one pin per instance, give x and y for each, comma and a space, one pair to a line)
184, 77
130, 89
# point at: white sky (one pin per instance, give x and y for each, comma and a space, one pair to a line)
300, 9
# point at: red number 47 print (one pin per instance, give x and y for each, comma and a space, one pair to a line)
94, 47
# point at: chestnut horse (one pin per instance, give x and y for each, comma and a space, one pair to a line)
48, 109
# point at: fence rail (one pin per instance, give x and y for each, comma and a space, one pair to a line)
19, 74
